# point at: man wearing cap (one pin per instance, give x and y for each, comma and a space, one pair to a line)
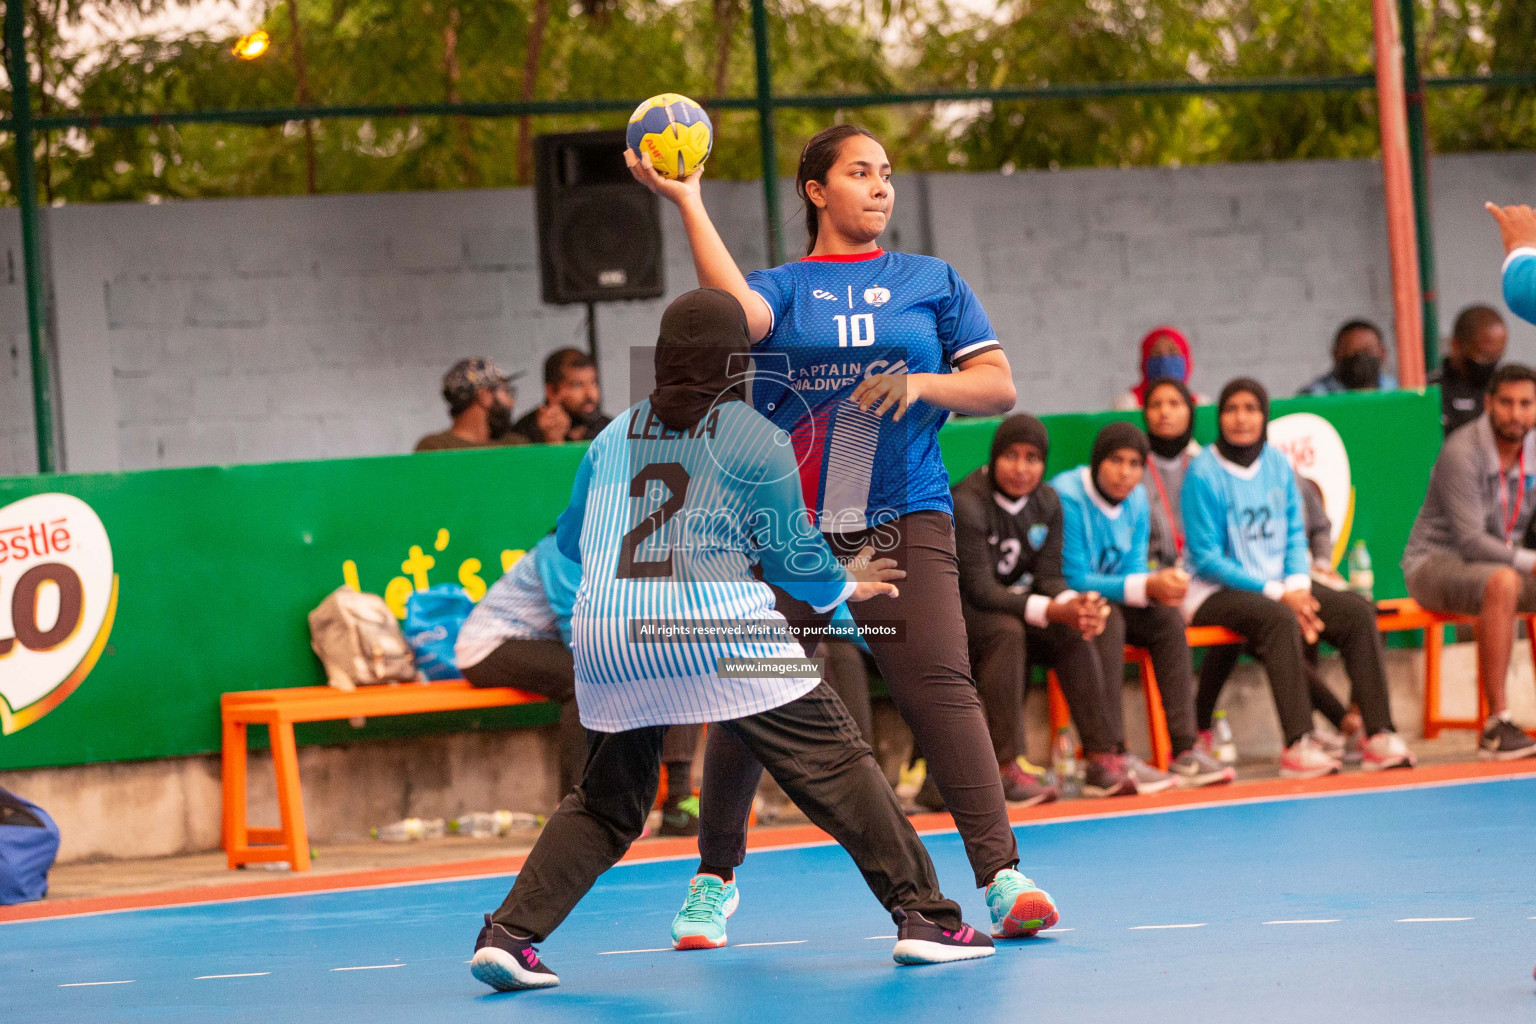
479, 397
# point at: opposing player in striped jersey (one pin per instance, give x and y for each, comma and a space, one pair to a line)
520, 635
673, 505
1245, 535
881, 347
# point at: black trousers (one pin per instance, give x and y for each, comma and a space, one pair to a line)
1274, 637
812, 749
928, 672
1159, 629
545, 667
1003, 647
847, 675
1217, 668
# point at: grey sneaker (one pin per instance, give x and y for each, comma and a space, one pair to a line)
1106, 776
1197, 768
1503, 740
1147, 778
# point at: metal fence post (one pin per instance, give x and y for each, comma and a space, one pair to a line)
769, 150
1418, 156
31, 254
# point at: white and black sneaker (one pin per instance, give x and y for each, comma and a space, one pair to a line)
508, 963
920, 941
1503, 740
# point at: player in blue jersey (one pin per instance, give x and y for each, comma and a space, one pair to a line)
1106, 523
880, 348
673, 505
1246, 541
1517, 226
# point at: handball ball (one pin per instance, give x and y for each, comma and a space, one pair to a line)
675, 131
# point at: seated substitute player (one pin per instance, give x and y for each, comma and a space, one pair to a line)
519, 634
1106, 521
1170, 418
1465, 551
1016, 604
671, 507
1245, 537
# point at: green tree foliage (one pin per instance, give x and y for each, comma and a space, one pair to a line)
346, 52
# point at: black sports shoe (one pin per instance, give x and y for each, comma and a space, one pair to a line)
1503, 740
920, 941
507, 963
681, 818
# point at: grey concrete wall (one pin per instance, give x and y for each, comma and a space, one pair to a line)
266, 329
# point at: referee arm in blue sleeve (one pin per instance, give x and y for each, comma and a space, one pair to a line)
1517, 225
568, 527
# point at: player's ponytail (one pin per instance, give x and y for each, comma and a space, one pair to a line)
816, 159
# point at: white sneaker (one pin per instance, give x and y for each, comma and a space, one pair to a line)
1386, 750
1147, 778
1306, 759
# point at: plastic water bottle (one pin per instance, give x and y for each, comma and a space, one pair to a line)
1361, 579
402, 831
1222, 747
479, 825
1064, 764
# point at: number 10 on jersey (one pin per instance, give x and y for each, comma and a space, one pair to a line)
862, 329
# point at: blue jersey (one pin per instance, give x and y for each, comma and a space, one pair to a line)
667, 526
1104, 546
837, 321
1244, 528
1520, 283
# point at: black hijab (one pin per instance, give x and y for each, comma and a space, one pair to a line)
1020, 429
1247, 454
1111, 439
700, 332
1170, 447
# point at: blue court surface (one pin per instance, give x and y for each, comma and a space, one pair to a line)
1401, 905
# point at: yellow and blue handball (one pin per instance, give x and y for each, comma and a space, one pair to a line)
675, 131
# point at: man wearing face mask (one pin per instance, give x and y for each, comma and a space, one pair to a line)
479, 397
1358, 354
1477, 345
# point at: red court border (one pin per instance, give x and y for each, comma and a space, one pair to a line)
767, 839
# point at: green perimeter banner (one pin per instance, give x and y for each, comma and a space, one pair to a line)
129, 602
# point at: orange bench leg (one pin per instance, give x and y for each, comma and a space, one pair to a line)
234, 760
1157, 720
290, 796
1061, 713
1434, 643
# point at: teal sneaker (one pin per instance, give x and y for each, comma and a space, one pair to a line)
701, 922
1019, 907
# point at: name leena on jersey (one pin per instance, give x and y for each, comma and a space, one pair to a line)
652, 429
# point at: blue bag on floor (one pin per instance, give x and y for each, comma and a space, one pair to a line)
433, 618
29, 841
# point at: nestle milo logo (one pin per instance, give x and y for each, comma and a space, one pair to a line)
58, 597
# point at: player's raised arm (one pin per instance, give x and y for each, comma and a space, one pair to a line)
712, 261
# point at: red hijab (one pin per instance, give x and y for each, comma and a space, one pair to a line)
1155, 335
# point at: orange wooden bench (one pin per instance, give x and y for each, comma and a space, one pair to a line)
1392, 615
278, 710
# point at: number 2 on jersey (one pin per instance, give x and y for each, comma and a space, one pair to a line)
675, 478
863, 329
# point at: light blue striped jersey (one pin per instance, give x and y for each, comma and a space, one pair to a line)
667, 526
531, 601
1520, 283
1103, 546
1244, 528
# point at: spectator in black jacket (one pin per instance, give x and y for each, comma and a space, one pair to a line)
1008, 530
1477, 344
572, 409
